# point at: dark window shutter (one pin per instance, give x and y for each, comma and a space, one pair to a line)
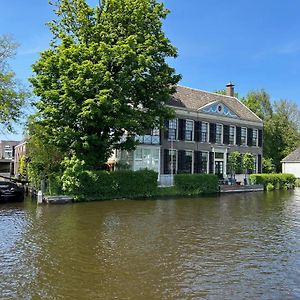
226, 134
249, 136
211, 162
212, 132
238, 136
181, 129
181, 160
259, 163
166, 161
166, 129
197, 161
197, 131
260, 137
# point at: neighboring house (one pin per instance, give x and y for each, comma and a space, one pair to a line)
207, 127
7, 152
20, 150
291, 163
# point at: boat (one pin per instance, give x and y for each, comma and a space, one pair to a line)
11, 192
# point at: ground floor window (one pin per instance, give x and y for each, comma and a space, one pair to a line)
146, 158
204, 162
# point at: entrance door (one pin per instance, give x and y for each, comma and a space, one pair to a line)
219, 169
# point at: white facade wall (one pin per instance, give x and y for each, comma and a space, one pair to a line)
292, 168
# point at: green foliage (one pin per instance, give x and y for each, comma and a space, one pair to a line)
22, 171
12, 94
281, 126
45, 158
84, 184
248, 162
297, 183
268, 165
259, 102
104, 75
196, 184
234, 162
270, 187
279, 181
223, 92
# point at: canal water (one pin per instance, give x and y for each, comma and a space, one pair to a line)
242, 246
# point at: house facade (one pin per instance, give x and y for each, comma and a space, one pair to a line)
291, 163
7, 154
207, 127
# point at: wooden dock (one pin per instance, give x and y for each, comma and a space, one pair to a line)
241, 188
58, 199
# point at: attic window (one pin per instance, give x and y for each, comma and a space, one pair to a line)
220, 108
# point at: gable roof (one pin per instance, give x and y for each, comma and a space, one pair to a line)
194, 99
293, 157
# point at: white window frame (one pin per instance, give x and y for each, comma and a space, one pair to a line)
246, 136
207, 132
221, 133
256, 130
193, 128
176, 135
207, 162
234, 134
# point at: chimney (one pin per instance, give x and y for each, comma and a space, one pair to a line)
230, 89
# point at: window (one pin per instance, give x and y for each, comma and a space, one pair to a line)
7, 151
138, 154
204, 162
204, 132
188, 163
189, 130
243, 136
232, 135
254, 137
219, 130
172, 129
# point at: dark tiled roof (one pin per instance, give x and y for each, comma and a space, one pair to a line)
194, 99
293, 157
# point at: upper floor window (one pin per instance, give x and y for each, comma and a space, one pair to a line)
219, 131
172, 129
254, 137
189, 124
232, 135
204, 132
243, 136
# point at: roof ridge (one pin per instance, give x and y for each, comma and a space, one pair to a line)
198, 90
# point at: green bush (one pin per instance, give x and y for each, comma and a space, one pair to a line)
297, 182
270, 187
196, 184
89, 185
279, 181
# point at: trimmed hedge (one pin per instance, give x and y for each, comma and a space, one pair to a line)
196, 184
99, 185
278, 181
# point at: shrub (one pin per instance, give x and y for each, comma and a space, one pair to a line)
279, 181
89, 185
270, 187
196, 184
297, 182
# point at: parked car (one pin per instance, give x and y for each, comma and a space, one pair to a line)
10, 191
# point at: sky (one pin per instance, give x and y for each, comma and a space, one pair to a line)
253, 43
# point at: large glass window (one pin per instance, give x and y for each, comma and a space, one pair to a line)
146, 158
188, 164
172, 129
204, 162
243, 136
219, 130
204, 132
232, 135
189, 130
254, 137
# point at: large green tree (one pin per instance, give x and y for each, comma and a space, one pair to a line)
12, 94
105, 77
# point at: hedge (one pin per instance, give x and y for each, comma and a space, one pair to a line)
196, 184
278, 181
92, 185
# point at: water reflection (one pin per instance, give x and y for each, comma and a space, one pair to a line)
243, 246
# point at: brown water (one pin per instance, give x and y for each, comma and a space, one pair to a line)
243, 246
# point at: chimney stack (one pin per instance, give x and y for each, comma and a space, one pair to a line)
230, 89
